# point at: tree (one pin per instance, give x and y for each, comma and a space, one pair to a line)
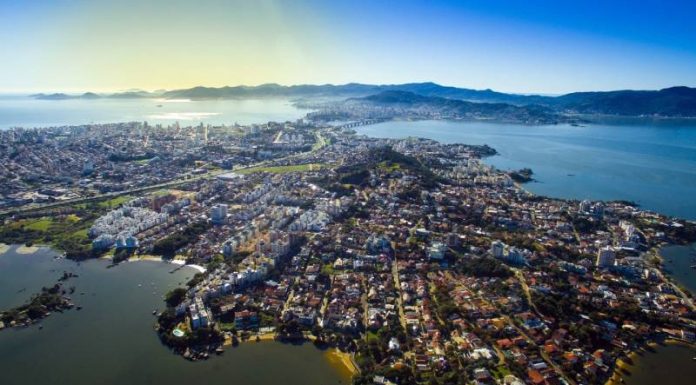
175, 297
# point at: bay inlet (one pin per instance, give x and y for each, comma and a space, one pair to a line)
111, 340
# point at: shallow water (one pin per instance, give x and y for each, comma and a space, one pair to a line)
111, 340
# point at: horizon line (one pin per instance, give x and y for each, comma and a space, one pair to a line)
74, 92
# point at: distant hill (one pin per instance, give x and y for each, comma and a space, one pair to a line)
92, 95
672, 102
668, 102
397, 104
348, 90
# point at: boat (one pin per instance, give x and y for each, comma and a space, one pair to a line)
159, 105
154, 312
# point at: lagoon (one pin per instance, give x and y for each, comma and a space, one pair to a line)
112, 341
650, 162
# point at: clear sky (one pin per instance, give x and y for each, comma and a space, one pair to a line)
516, 46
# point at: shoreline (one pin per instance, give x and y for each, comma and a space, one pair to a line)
26, 250
342, 361
154, 258
635, 356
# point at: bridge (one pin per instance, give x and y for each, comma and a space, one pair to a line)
365, 122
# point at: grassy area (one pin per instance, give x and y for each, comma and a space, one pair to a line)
68, 233
283, 169
227, 326
320, 141
41, 224
389, 166
328, 269
72, 218
371, 336
114, 202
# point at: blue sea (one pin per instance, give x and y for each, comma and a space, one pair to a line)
24, 111
650, 162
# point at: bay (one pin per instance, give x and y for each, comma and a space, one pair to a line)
652, 163
112, 341
27, 112
669, 364
678, 260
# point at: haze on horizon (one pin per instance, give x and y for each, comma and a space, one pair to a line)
512, 46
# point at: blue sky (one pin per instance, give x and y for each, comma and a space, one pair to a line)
514, 46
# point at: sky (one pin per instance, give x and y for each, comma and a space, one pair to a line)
532, 46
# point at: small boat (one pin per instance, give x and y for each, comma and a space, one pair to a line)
154, 312
159, 105
693, 266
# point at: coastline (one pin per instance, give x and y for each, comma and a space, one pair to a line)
343, 362
4, 248
24, 249
634, 358
154, 258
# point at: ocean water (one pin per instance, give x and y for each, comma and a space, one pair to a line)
652, 163
678, 262
24, 111
111, 341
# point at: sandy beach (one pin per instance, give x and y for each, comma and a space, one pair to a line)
154, 258
342, 361
4, 248
27, 249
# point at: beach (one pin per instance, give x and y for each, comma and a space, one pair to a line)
26, 249
342, 361
180, 261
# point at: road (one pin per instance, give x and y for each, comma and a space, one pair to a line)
185, 178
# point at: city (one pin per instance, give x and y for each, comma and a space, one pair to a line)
414, 259
364, 192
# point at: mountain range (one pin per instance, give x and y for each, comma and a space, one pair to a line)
668, 102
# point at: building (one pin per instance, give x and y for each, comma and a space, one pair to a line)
605, 257
497, 249
436, 251
218, 214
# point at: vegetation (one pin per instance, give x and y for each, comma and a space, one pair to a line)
522, 176
283, 169
175, 297
66, 232
168, 246
483, 267
48, 300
